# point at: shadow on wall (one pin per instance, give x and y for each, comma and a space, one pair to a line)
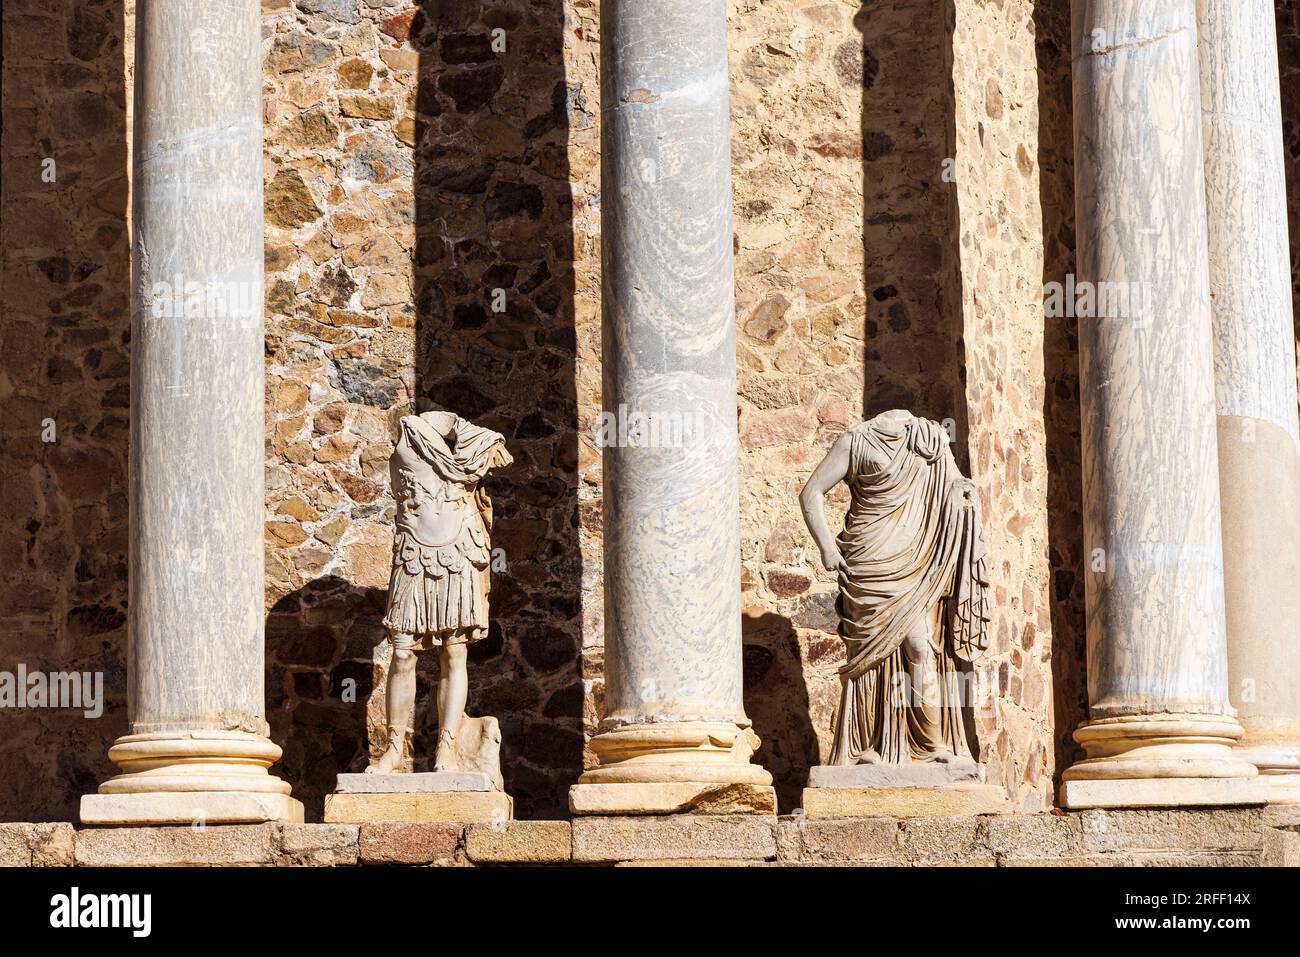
776, 700
495, 343
915, 352
319, 641
64, 366
1061, 373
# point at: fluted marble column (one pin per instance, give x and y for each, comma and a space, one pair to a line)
1160, 728
674, 711
197, 749
1254, 377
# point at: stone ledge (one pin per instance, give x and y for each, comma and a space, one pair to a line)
696, 837
520, 842
1095, 838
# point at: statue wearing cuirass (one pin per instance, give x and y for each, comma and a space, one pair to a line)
438, 590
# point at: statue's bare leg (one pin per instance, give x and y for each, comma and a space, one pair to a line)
399, 702
925, 709
453, 688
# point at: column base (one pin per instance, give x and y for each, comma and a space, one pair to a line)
1163, 792
192, 808
1165, 760
672, 797
185, 777
690, 752
1279, 768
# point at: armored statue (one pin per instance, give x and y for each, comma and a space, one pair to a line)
438, 590
913, 602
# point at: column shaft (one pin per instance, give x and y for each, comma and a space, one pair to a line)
674, 709
1254, 377
1157, 659
197, 746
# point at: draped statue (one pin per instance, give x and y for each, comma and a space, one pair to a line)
438, 590
913, 603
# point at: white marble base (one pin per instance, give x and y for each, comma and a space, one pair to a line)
193, 808
916, 775
431, 782
1164, 792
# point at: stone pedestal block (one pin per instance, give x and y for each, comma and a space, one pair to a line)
463, 807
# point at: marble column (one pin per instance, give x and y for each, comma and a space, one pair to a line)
1160, 729
197, 748
674, 712
1255, 380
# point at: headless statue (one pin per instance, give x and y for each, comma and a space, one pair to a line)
913, 604
438, 590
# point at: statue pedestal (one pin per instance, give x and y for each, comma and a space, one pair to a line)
462, 797
901, 790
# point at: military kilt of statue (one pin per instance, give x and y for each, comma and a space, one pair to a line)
439, 593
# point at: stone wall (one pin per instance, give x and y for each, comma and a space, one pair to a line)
1243, 837
64, 381
903, 189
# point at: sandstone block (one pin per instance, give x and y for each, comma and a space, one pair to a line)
958, 799
460, 807
219, 845
408, 843
1202, 829
520, 842
318, 845
681, 837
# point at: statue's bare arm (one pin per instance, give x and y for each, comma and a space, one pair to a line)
832, 470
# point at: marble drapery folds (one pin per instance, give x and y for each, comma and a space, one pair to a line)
913, 569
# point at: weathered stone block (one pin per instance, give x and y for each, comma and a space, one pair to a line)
394, 843
1034, 835
53, 844
318, 845
1200, 829
520, 842
943, 839
221, 845
15, 846
850, 839
1281, 848
682, 837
